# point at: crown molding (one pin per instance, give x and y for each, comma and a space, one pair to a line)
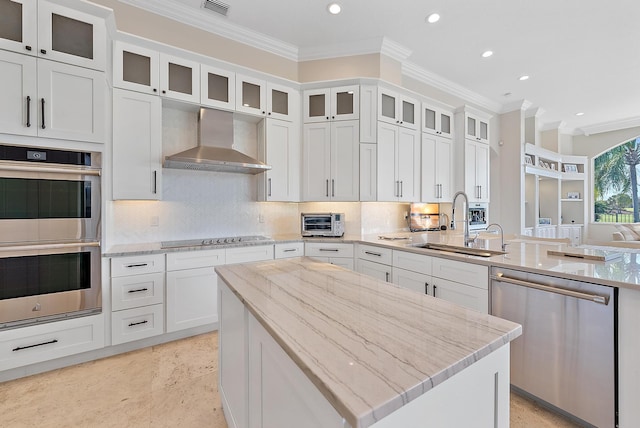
535, 112
207, 21
615, 125
550, 126
522, 105
415, 72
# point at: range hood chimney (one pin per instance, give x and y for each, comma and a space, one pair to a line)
214, 151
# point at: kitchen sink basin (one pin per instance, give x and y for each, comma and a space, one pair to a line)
470, 251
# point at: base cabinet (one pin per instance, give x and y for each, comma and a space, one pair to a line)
336, 254
34, 344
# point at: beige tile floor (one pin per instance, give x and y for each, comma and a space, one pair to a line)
169, 385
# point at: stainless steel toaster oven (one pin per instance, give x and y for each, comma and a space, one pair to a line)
322, 224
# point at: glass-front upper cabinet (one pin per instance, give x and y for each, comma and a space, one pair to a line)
259, 97
327, 104
179, 78
437, 121
477, 128
136, 68
398, 109
218, 88
48, 30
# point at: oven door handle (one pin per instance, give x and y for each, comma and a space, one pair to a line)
41, 169
49, 246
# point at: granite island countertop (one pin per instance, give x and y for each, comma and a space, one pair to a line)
369, 347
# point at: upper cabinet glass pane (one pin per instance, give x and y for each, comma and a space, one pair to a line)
484, 130
388, 106
136, 68
11, 20
445, 123
317, 105
71, 36
344, 102
471, 126
429, 119
218, 87
408, 112
279, 102
250, 95
180, 79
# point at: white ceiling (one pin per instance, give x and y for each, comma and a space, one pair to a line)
582, 55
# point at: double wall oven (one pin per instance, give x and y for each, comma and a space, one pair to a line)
49, 234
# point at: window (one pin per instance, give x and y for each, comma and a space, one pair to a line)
615, 184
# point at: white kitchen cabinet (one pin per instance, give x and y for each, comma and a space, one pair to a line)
368, 113
280, 393
376, 270
279, 146
260, 97
476, 170
465, 284
368, 172
232, 357
287, 250
48, 30
329, 104
191, 284
437, 121
573, 232
217, 88
437, 171
137, 297
50, 99
412, 271
137, 146
374, 261
331, 153
252, 253
338, 254
398, 168
43, 342
179, 78
398, 109
477, 127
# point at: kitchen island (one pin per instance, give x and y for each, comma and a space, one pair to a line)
304, 343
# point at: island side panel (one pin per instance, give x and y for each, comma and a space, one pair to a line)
628, 351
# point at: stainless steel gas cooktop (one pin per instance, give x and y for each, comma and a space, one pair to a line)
212, 242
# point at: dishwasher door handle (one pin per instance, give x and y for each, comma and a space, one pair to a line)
596, 298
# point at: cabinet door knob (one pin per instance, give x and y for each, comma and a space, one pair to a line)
43, 51
164, 92
155, 90
28, 48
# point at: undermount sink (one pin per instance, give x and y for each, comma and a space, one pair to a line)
482, 252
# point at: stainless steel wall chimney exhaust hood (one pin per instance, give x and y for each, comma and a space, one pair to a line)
214, 151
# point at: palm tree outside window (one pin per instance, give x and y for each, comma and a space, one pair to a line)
615, 179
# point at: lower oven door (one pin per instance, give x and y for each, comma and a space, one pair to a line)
43, 282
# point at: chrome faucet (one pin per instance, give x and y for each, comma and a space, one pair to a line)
467, 240
504, 246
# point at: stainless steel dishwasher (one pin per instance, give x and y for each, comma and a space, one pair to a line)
567, 354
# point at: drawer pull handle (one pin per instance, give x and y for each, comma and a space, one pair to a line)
138, 290
288, 250
335, 250
371, 253
138, 323
138, 265
20, 348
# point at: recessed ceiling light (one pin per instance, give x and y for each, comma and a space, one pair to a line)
334, 8
433, 18
487, 54
580, 114
525, 77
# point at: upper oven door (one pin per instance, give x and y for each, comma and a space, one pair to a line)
48, 202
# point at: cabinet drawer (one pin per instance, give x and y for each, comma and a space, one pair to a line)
317, 249
465, 273
412, 261
375, 254
249, 254
137, 265
294, 249
137, 290
34, 344
137, 323
195, 259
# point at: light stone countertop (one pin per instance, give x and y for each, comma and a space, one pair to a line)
528, 255
369, 347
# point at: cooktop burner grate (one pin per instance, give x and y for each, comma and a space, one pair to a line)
210, 242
